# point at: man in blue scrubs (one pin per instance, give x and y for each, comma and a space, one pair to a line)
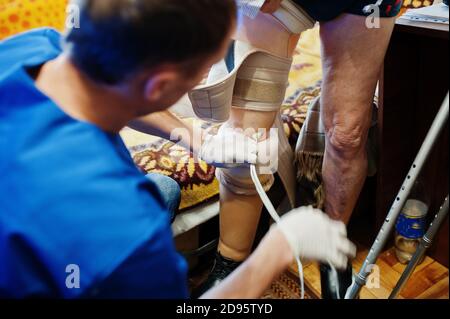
70, 195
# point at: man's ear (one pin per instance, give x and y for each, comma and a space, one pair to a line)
158, 84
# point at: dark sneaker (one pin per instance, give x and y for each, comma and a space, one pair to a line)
221, 269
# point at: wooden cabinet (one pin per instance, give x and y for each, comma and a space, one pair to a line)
413, 85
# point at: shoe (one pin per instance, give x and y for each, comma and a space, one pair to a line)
255, 73
221, 269
329, 284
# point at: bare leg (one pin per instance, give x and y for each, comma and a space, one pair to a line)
352, 60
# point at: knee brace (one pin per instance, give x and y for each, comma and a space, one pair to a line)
261, 83
239, 181
256, 75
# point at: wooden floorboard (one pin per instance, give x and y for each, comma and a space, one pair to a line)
430, 280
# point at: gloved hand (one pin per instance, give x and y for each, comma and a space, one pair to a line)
229, 149
268, 155
314, 236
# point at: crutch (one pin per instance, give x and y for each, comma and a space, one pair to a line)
389, 223
425, 243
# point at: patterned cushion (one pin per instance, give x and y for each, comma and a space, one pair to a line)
417, 3
157, 155
21, 15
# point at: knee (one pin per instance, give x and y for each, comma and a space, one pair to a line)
170, 192
346, 140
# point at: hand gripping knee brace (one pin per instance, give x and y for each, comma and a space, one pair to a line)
238, 179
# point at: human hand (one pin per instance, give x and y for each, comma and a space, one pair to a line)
313, 235
229, 149
268, 155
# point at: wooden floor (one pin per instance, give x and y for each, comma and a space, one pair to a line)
429, 281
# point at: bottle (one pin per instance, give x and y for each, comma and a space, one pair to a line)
411, 224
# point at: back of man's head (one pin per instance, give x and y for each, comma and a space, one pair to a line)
118, 37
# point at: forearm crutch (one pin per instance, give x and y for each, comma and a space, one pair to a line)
425, 243
389, 223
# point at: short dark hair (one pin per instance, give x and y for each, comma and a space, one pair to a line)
118, 37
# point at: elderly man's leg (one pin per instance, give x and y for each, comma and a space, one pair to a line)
352, 60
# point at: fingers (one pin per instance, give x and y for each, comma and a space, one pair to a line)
229, 150
237, 147
252, 159
339, 261
268, 155
343, 249
318, 237
265, 152
340, 228
246, 150
346, 247
342, 252
342, 244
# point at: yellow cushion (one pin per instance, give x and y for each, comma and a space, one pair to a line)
156, 155
21, 15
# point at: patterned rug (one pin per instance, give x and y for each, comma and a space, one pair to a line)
286, 287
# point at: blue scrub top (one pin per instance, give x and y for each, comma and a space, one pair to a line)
70, 194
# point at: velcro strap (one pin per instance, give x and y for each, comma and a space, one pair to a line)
260, 91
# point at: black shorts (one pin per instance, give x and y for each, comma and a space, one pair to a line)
326, 10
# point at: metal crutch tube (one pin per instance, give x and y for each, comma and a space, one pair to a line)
425, 243
389, 223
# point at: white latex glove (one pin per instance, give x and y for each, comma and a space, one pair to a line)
268, 154
314, 236
229, 149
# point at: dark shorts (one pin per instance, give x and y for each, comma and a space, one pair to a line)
326, 10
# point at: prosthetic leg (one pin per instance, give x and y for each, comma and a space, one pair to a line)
254, 76
425, 150
253, 80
